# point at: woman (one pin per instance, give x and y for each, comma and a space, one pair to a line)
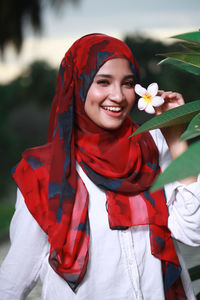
101, 233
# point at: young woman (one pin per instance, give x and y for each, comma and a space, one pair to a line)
85, 221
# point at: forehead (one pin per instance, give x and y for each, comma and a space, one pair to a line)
115, 66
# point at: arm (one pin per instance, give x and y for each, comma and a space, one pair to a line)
29, 245
172, 134
183, 201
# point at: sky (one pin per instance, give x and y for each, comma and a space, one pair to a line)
156, 18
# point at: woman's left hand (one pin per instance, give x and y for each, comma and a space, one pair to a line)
172, 100
172, 134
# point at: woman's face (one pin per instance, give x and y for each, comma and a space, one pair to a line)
111, 95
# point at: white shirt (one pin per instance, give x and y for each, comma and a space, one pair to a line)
120, 267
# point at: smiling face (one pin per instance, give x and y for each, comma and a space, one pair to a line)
111, 94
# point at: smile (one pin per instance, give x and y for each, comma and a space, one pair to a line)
112, 108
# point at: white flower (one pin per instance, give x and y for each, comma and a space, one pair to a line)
148, 99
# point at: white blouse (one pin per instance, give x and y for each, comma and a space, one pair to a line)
120, 267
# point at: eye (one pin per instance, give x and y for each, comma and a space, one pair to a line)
103, 82
129, 83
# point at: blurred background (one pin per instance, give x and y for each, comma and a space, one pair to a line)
34, 37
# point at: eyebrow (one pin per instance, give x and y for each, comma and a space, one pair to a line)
131, 76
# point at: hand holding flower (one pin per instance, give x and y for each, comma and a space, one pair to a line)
171, 100
157, 101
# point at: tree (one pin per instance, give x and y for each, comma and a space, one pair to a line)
24, 110
15, 14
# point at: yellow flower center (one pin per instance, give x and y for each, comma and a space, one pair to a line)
147, 97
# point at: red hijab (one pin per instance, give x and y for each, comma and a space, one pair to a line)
123, 167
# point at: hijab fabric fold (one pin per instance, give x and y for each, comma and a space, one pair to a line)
123, 167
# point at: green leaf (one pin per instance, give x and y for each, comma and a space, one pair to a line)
193, 36
189, 58
177, 115
181, 65
195, 48
193, 129
194, 272
186, 165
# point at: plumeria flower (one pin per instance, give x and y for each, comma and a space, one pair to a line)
148, 99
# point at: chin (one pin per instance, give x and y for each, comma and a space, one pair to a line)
111, 126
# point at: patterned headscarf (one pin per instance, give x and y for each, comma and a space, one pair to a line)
123, 167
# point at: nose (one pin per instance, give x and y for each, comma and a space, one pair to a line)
116, 93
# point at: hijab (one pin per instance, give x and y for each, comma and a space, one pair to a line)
123, 167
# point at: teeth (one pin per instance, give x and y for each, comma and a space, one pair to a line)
114, 108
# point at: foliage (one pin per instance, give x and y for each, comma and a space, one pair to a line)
178, 115
6, 213
195, 275
190, 60
145, 50
189, 162
14, 15
193, 129
24, 111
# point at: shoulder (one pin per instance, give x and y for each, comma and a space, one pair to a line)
38, 156
35, 163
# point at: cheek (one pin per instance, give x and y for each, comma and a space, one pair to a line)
94, 97
91, 103
131, 98
87, 107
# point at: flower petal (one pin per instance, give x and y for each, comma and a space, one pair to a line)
140, 90
149, 109
142, 104
153, 89
157, 101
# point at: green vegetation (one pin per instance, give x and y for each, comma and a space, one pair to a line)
195, 275
24, 113
188, 163
23, 14
168, 78
6, 213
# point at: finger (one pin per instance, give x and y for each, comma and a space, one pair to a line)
164, 93
170, 96
160, 92
165, 96
175, 95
